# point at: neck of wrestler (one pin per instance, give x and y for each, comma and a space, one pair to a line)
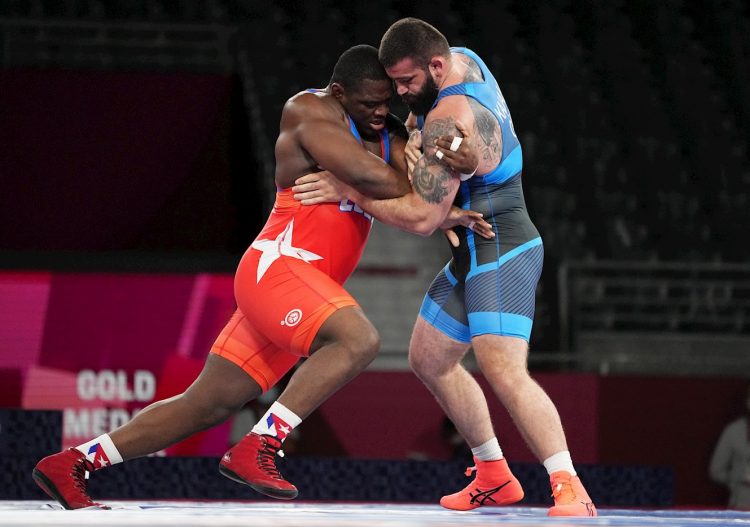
453, 74
368, 135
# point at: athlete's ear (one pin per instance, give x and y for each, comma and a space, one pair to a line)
337, 90
437, 66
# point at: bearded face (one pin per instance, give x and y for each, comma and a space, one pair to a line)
421, 102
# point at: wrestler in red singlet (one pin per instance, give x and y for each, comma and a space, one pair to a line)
289, 293
289, 281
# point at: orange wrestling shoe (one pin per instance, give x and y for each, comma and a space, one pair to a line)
494, 485
570, 497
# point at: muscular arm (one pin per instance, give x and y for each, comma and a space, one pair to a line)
429, 204
489, 139
434, 185
335, 149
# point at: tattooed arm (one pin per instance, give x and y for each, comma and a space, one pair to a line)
434, 185
489, 139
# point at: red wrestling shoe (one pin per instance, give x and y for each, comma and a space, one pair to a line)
63, 477
252, 462
494, 485
571, 499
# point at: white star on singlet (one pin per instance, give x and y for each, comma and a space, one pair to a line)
281, 246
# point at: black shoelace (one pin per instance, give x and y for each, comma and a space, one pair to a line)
266, 459
79, 477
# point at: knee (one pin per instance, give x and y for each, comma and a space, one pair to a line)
214, 415
210, 412
424, 365
366, 345
508, 379
352, 334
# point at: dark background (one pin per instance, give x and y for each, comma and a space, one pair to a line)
143, 151
634, 117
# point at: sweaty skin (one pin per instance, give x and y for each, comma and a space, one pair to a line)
312, 122
434, 181
324, 187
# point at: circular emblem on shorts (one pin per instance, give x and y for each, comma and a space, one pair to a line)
292, 318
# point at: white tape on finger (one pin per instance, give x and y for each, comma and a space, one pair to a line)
439, 154
456, 143
470, 226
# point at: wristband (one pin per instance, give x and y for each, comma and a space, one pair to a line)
464, 177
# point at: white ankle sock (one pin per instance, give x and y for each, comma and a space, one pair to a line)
489, 451
278, 421
558, 462
101, 451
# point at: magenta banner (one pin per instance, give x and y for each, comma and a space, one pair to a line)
100, 347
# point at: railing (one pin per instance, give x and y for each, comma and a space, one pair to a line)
657, 317
115, 45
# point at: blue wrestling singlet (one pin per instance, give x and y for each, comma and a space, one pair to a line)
489, 286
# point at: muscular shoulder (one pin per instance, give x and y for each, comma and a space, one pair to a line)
473, 72
308, 106
479, 120
442, 119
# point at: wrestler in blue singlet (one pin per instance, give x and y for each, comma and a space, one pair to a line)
489, 286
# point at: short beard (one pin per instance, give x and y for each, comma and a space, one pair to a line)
424, 100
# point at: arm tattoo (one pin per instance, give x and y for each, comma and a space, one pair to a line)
491, 144
473, 72
430, 177
436, 128
431, 187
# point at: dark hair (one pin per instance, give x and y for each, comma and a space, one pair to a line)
412, 38
357, 64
